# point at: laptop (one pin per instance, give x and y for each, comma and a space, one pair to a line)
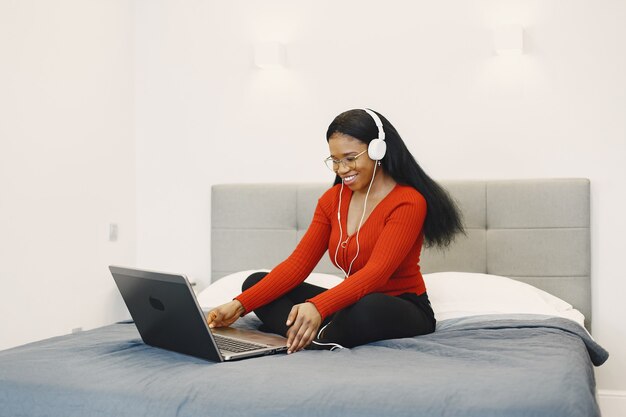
168, 316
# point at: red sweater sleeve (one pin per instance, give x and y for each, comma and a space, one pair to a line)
296, 268
402, 227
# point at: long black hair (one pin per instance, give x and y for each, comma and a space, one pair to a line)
443, 217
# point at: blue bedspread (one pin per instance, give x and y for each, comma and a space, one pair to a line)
478, 366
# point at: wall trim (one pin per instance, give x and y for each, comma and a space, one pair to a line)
612, 402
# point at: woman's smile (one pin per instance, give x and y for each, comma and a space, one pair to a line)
348, 180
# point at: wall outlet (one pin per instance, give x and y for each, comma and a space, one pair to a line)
113, 232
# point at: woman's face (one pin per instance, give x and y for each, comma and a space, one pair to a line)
358, 173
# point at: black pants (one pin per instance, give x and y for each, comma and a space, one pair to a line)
374, 317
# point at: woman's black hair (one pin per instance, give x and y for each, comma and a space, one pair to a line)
443, 217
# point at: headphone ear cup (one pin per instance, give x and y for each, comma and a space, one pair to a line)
377, 149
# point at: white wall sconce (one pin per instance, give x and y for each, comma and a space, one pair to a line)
509, 40
269, 55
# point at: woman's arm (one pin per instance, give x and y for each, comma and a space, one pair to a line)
295, 269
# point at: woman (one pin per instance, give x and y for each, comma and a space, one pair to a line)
373, 222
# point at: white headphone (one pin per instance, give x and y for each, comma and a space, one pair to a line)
377, 147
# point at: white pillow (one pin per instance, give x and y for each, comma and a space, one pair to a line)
228, 287
451, 294
461, 294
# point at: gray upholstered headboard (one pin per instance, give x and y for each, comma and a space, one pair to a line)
536, 231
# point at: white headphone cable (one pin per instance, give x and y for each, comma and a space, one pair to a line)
334, 345
340, 229
358, 246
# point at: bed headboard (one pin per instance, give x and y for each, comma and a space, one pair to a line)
536, 231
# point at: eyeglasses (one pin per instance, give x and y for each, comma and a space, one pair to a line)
348, 162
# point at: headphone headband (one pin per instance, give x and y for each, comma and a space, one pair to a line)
379, 123
377, 147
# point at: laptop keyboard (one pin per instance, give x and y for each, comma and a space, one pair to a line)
234, 345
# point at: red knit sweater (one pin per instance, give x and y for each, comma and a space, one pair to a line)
390, 243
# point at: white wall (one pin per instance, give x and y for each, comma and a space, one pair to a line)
66, 164
205, 115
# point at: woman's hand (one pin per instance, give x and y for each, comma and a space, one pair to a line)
305, 321
225, 315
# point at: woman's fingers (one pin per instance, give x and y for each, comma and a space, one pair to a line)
292, 315
217, 318
225, 315
300, 335
211, 318
303, 340
304, 320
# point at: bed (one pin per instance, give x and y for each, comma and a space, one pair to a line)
512, 299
